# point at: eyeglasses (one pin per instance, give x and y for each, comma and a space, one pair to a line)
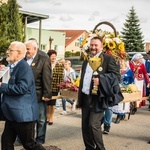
11, 50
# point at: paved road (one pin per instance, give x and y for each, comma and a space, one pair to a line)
131, 134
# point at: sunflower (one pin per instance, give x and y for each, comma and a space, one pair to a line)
121, 47
111, 45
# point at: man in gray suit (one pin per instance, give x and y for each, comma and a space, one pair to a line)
41, 67
19, 101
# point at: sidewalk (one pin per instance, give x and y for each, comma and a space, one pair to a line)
131, 134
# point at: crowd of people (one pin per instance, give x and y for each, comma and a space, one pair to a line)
34, 79
26, 99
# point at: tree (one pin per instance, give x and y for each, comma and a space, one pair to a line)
11, 26
131, 34
3, 28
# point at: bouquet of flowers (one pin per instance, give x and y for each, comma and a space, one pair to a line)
112, 44
70, 84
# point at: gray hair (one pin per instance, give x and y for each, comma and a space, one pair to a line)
20, 47
33, 43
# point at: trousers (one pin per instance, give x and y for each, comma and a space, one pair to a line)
91, 126
24, 130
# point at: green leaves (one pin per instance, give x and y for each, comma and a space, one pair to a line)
11, 26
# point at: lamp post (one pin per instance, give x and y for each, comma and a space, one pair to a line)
50, 42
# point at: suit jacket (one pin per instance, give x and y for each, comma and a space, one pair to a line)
109, 90
41, 67
19, 101
108, 66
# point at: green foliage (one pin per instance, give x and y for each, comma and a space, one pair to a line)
69, 54
11, 26
131, 34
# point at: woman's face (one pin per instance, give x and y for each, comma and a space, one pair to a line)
53, 58
138, 60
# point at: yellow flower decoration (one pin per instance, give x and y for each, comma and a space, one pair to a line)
121, 47
111, 45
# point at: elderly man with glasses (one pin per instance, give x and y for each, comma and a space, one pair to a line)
19, 101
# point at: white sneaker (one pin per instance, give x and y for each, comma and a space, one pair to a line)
73, 108
63, 113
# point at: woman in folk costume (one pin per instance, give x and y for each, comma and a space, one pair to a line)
140, 74
126, 78
57, 78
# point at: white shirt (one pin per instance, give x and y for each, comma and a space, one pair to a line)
87, 79
30, 60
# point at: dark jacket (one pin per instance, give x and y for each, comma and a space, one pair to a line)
41, 67
109, 90
108, 66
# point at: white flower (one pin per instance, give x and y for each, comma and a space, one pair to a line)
117, 40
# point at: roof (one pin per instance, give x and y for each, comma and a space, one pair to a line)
32, 17
71, 35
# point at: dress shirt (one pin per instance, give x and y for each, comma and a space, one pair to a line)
13, 65
88, 77
30, 60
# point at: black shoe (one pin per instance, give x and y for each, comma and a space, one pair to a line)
106, 129
50, 123
118, 119
148, 142
133, 111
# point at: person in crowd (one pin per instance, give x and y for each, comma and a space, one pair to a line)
3, 61
140, 74
57, 75
41, 67
62, 62
69, 75
147, 65
19, 101
107, 119
127, 78
93, 106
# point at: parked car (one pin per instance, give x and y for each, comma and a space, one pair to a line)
132, 53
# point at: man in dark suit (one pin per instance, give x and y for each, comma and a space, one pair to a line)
92, 106
19, 101
41, 67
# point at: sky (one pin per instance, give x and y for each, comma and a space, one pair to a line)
86, 14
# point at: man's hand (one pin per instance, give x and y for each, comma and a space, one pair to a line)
45, 99
95, 81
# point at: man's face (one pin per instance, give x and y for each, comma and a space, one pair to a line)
31, 50
12, 54
96, 46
